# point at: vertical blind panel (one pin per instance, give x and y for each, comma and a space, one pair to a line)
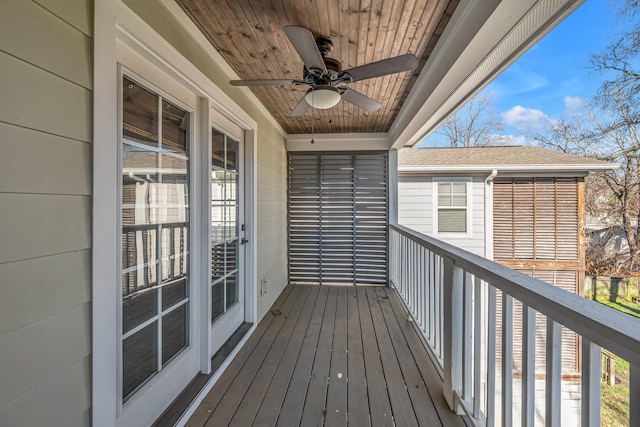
337, 218
536, 219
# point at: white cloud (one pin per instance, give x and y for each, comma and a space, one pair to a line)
511, 140
574, 105
525, 119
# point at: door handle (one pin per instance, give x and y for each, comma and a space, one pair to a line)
243, 241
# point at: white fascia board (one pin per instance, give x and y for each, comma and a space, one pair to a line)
375, 141
508, 168
502, 31
194, 32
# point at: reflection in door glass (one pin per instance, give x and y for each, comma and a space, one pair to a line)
155, 228
224, 223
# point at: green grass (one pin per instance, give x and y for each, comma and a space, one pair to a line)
615, 406
624, 306
615, 399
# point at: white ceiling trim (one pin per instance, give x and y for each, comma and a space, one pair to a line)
447, 82
339, 142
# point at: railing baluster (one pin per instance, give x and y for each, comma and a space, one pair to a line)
477, 349
553, 374
421, 300
453, 331
491, 357
467, 337
528, 365
432, 298
591, 379
507, 359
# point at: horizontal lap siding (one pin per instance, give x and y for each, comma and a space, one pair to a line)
416, 211
536, 231
45, 209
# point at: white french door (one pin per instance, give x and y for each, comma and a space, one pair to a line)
157, 347
226, 246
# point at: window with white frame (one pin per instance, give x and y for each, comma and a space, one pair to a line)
155, 227
452, 206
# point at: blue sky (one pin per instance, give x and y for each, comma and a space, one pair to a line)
553, 77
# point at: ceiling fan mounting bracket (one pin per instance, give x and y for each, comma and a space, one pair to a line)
324, 46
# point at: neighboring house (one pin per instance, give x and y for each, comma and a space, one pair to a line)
521, 206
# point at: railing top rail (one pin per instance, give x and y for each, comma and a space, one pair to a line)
611, 329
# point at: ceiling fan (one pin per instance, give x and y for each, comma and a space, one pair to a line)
324, 75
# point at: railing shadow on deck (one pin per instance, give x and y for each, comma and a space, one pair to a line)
464, 306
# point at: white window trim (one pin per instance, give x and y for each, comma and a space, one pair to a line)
113, 23
469, 207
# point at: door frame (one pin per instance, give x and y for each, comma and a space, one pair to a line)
115, 23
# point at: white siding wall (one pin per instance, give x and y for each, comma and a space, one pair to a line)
272, 218
45, 211
415, 210
272, 158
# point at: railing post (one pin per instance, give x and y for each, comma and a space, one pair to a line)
453, 325
553, 379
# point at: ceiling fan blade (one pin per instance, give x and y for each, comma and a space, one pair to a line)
360, 100
305, 44
382, 68
301, 108
262, 82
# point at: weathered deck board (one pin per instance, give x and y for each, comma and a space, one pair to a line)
358, 398
203, 413
380, 408
335, 356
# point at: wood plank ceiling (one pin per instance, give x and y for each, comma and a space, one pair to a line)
249, 35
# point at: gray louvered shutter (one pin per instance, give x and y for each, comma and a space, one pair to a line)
337, 219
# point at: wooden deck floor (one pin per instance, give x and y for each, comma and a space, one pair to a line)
332, 356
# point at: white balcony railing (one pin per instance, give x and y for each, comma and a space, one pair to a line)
461, 302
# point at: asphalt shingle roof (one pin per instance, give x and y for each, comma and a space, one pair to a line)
494, 156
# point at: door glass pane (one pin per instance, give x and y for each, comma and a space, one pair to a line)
217, 300
232, 292
155, 229
217, 262
139, 278
217, 149
224, 222
139, 113
174, 332
175, 122
232, 154
139, 358
231, 256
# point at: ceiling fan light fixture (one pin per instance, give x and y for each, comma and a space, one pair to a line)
322, 97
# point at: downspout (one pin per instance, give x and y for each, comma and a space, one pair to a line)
488, 214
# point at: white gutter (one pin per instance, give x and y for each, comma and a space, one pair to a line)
488, 214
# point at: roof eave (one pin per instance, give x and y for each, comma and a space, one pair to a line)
507, 168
